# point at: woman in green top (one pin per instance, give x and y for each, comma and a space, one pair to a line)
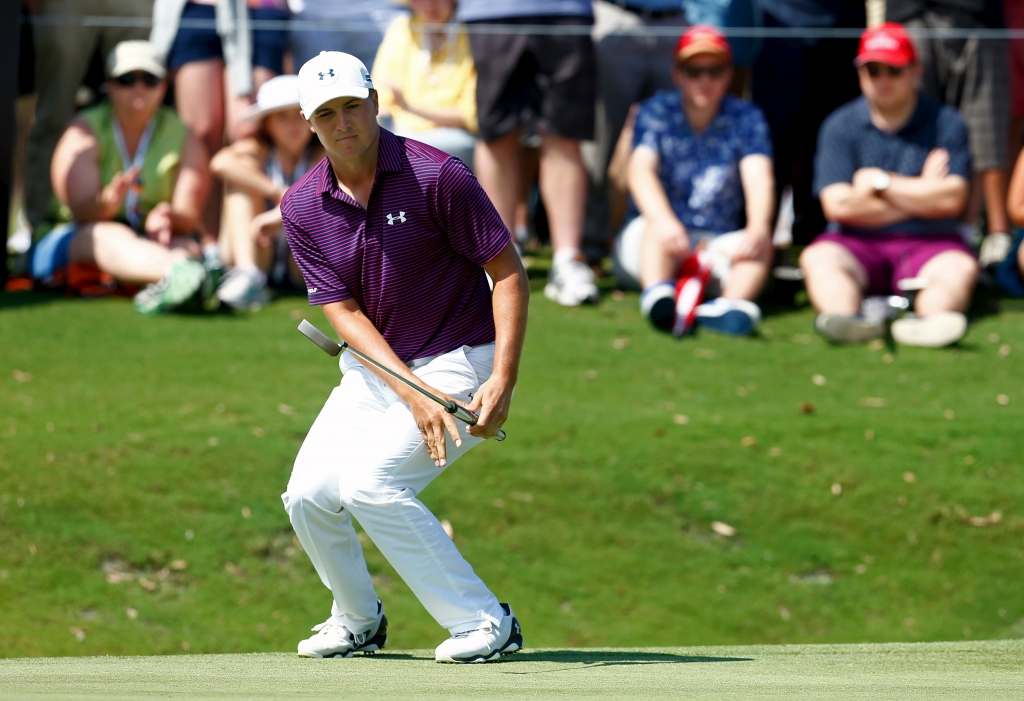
130, 183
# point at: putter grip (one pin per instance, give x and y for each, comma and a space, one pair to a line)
468, 417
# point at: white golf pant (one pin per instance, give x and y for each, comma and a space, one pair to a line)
365, 457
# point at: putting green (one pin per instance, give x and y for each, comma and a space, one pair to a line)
965, 670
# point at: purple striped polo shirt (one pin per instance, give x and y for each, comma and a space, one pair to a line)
412, 259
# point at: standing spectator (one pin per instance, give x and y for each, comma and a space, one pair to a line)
363, 23
130, 182
63, 54
631, 68
426, 80
699, 156
551, 81
973, 76
799, 82
258, 171
1013, 12
893, 172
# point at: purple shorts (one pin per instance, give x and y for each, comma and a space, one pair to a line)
889, 258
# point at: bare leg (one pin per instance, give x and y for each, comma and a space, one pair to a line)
1020, 259
498, 168
236, 233
655, 264
116, 249
835, 280
237, 104
199, 87
951, 276
747, 277
993, 186
563, 185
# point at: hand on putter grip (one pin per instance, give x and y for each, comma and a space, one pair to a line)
491, 404
433, 421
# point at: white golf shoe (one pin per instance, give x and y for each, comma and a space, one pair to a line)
484, 644
571, 284
334, 640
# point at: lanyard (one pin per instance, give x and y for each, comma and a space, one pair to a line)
276, 173
132, 211
426, 55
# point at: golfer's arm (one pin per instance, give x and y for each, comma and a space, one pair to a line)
510, 300
352, 325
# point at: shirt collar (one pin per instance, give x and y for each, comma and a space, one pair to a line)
389, 160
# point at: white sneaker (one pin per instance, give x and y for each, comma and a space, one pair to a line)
484, 644
847, 328
243, 289
735, 317
334, 640
571, 284
932, 331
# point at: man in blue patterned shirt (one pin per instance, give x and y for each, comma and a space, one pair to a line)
700, 177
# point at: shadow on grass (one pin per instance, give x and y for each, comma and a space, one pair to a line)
612, 658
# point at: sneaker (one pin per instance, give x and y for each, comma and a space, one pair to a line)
484, 644
735, 317
932, 331
335, 640
571, 284
181, 282
658, 304
846, 328
242, 289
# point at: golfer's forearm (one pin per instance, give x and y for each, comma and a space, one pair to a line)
510, 300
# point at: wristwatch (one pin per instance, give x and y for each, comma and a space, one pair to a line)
882, 181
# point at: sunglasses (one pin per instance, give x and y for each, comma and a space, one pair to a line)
129, 79
877, 69
695, 72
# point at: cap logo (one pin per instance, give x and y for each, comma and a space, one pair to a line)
882, 42
328, 77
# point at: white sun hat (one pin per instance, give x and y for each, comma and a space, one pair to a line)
331, 75
278, 93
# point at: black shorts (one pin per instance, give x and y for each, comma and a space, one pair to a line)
194, 44
550, 81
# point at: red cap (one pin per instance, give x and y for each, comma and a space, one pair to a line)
887, 43
703, 39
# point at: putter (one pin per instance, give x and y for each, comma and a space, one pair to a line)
334, 349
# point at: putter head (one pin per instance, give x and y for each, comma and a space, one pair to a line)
316, 336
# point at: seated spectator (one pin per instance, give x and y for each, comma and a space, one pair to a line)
699, 155
426, 80
892, 170
258, 171
1010, 272
130, 183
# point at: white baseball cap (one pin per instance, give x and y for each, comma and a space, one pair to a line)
130, 56
279, 93
331, 75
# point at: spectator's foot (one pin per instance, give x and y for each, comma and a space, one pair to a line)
571, 283
932, 331
847, 328
735, 317
994, 249
243, 288
181, 283
658, 304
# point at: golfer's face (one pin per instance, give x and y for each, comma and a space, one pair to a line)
346, 126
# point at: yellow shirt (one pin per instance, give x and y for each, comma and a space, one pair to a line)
442, 78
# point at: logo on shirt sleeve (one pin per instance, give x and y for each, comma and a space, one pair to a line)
311, 290
392, 219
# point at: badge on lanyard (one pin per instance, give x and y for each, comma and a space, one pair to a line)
133, 199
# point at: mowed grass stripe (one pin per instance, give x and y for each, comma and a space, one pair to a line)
990, 670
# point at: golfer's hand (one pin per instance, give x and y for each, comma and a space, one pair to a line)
671, 234
432, 421
491, 405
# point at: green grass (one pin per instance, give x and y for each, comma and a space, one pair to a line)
131, 446
927, 671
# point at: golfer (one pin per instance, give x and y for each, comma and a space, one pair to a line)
393, 238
